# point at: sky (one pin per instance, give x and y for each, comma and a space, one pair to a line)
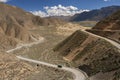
45, 8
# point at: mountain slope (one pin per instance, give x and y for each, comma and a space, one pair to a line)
108, 27
90, 53
15, 26
110, 23
95, 15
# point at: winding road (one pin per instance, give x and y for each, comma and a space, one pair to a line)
78, 74
117, 45
41, 39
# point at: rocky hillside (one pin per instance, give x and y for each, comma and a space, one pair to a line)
113, 35
95, 15
108, 27
16, 15
15, 24
89, 53
48, 21
13, 69
110, 23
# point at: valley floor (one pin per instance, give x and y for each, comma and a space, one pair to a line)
43, 52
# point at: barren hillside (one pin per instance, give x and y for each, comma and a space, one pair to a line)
89, 53
15, 23
108, 27
113, 35
110, 23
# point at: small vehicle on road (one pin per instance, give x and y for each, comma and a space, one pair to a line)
59, 66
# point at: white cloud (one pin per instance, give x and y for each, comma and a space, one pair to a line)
39, 13
106, 0
3, 0
58, 11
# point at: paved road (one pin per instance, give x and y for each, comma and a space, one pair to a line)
78, 75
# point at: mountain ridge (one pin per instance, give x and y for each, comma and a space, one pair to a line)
95, 15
